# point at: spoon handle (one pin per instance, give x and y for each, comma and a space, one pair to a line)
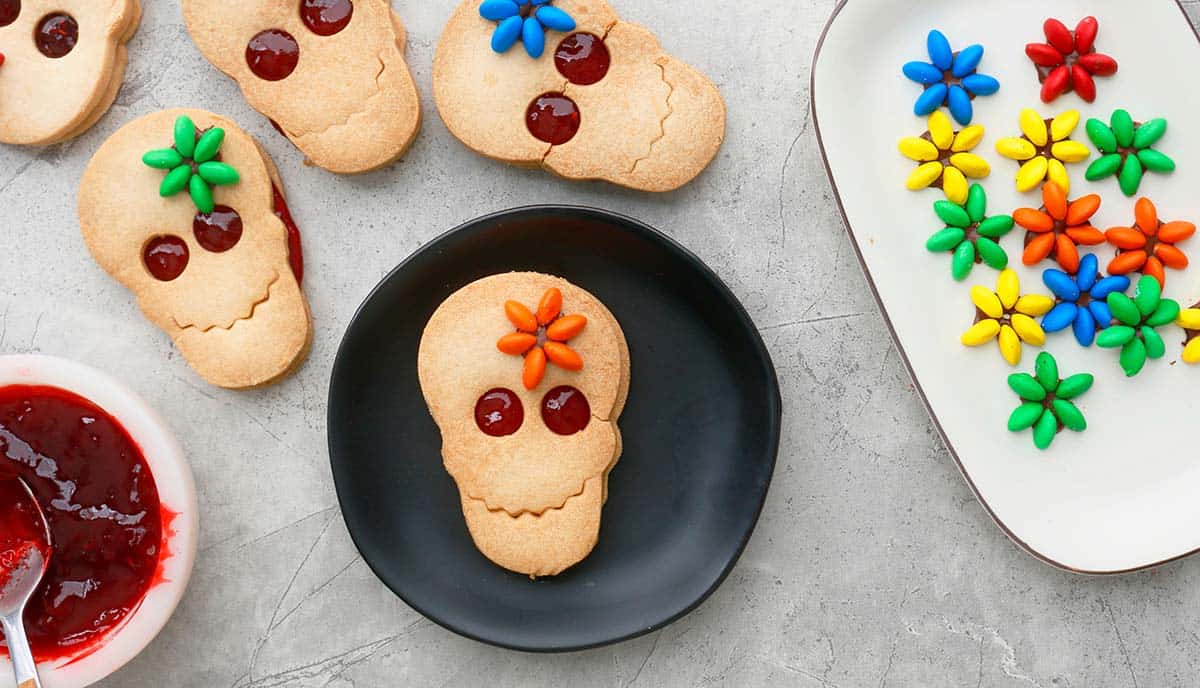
24, 667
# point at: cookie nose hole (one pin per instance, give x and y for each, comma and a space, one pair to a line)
219, 230
165, 257
273, 55
56, 35
499, 413
582, 58
326, 17
565, 410
9, 11
553, 118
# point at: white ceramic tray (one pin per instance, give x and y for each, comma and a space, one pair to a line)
1122, 495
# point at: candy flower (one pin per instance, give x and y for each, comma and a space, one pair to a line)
1069, 61
1125, 150
1134, 332
542, 336
1007, 316
949, 78
1043, 148
945, 158
1149, 245
1081, 300
1058, 227
1189, 320
1046, 401
526, 20
970, 234
192, 164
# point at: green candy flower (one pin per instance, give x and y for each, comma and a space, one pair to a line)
192, 164
1137, 319
1046, 404
1125, 150
970, 234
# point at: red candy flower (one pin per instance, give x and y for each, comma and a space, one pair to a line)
1149, 245
1068, 61
1058, 227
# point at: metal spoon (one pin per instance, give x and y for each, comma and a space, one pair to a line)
15, 594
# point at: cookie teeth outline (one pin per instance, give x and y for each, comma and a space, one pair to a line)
535, 514
379, 91
662, 124
253, 307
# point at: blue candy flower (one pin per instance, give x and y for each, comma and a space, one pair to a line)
524, 19
1082, 300
950, 79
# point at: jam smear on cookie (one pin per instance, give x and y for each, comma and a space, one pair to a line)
565, 410
165, 257
57, 35
273, 54
499, 413
582, 58
553, 118
295, 252
326, 17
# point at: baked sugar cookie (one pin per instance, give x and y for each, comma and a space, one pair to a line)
589, 96
61, 65
187, 211
526, 375
330, 74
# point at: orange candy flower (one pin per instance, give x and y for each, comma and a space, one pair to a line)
1058, 227
1149, 245
542, 337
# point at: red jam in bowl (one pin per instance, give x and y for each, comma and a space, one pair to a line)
106, 523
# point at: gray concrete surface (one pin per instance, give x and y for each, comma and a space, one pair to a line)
873, 564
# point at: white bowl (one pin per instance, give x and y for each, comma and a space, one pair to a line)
177, 493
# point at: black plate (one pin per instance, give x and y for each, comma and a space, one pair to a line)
701, 432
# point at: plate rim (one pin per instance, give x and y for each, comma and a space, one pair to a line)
621, 222
937, 423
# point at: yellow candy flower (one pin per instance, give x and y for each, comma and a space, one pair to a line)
1043, 149
944, 158
1189, 320
1007, 316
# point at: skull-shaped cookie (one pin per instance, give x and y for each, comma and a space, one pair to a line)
527, 400
61, 65
223, 284
330, 74
604, 102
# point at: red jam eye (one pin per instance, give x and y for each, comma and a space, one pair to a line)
582, 58
9, 11
553, 118
165, 257
56, 35
273, 55
565, 410
326, 17
499, 412
219, 230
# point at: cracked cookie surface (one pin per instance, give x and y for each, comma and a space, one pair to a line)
652, 123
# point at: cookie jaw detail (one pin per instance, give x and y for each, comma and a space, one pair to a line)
370, 112
44, 100
652, 123
239, 316
533, 498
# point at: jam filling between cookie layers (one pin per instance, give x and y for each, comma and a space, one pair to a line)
583, 59
166, 256
56, 35
9, 11
326, 17
106, 521
565, 411
273, 54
